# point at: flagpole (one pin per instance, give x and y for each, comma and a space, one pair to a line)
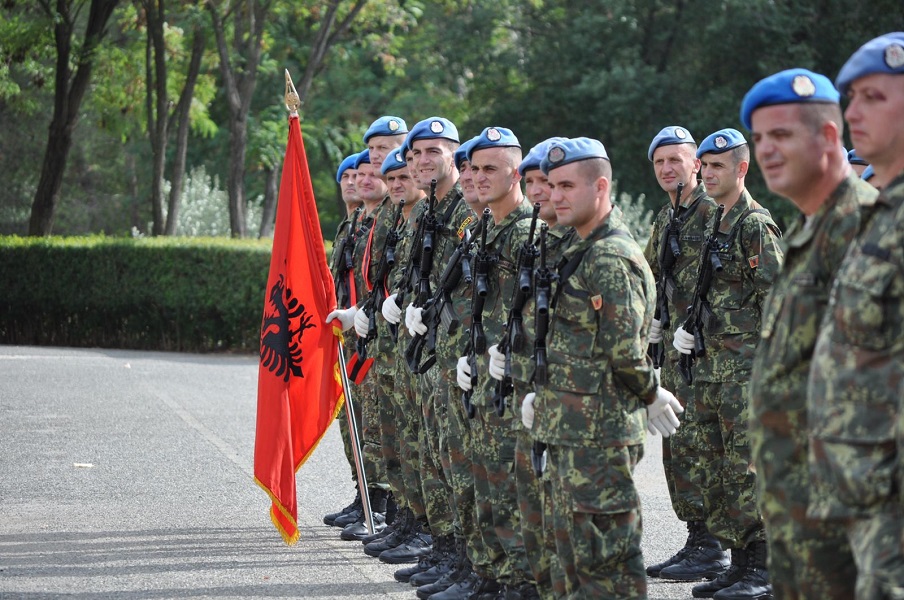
355, 442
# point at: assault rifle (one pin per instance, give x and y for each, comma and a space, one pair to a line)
438, 308
346, 263
513, 334
700, 313
543, 279
430, 226
669, 251
378, 293
477, 340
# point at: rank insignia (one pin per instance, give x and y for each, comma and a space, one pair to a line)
493, 134
754, 261
894, 56
436, 127
597, 302
803, 86
393, 125
721, 142
680, 133
556, 154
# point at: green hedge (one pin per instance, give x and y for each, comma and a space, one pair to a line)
179, 294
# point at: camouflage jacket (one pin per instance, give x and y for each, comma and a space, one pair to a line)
856, 386
365, 242
699, 209
337, 255
600, 376
751, 257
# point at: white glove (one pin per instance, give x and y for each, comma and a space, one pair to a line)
656, 332
463, 373
346, 317
497, 363
414, 320
391, 311
362, 323
661, 414
527, 410
684, 341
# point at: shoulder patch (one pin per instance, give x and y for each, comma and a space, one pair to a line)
754, 261
597, 302
464, 225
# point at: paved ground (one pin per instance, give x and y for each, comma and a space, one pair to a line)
129, 475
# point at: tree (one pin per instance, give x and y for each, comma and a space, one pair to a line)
69, 91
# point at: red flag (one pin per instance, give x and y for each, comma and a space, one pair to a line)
299, 390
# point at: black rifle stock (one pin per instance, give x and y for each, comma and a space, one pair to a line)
700, 313
430, 226
477, 341
669, 251
513, 334
543, 280
346, 262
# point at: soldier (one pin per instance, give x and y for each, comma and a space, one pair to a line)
539, 540
746, 244
856, 384
384, 135
796, 128
345, 177
590, 407
673, 252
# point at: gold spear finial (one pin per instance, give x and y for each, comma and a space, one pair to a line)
293, 102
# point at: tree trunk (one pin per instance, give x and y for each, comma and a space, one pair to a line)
69, 91
238, 144
157, 104
271, 193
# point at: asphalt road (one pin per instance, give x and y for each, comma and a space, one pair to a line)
129, 475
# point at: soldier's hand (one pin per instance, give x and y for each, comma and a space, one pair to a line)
391, 311
362, 323
346, 317
661, 414
463, 373
497, 363
684, 341
414, 320
655, 332
527, 410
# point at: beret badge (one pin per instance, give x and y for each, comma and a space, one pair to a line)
720, 142
493, 134
803, 86
894, 56
436, 127
680, 133
556, 154
393, 125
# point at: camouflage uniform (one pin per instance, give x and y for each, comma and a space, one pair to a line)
493, 445
854, 402
592, 412
807, 558
678, 457
534, 494
717, 420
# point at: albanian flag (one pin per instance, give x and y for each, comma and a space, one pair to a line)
299, 390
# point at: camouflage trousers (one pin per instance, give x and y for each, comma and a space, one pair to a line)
390, 422
537, 533
343, 429
878, 546
409, 417
496, 496
678, 458
368, 397
806, 558
437, 493
717, 422
597, 520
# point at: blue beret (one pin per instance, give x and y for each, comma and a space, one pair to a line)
793, 86
569, 150
868, 172
669, 136
536, 155
386, 126
431, 129
362, 157
394, 161
854, 159
494, 137
461, 155
721, 141
884, 54
347, 163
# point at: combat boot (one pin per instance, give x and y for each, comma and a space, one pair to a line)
445, 545
726, 579
693, 533
525, 591
463, 589
418, 544
706, 560
753, 583
390, 537
357, 531
330, 518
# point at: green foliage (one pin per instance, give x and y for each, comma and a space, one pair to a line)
182, 294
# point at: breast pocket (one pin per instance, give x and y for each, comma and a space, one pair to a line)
574, 326
790, 324
866, 303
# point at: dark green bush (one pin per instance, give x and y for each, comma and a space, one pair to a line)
177, 294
